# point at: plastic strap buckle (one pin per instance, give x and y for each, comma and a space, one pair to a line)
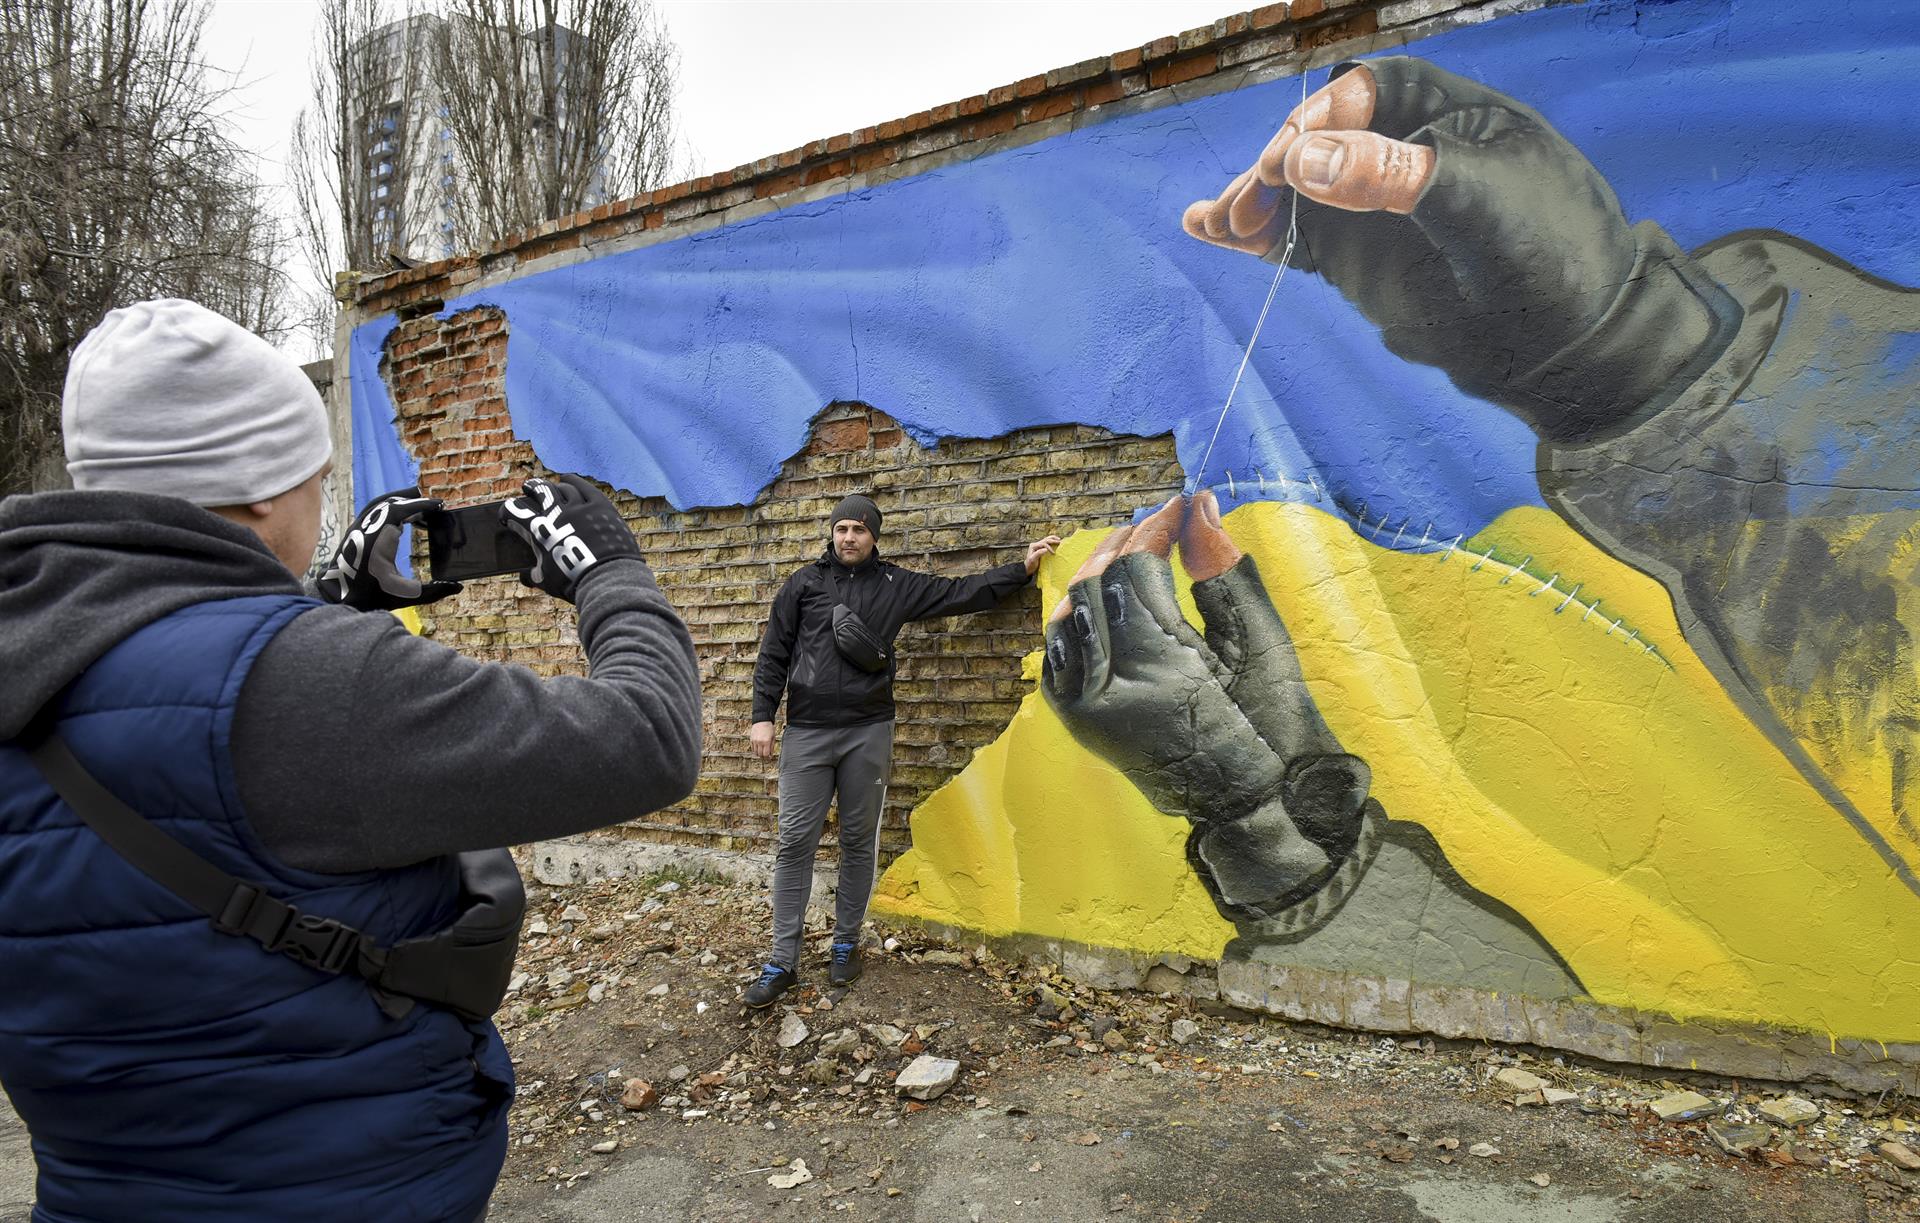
319, 942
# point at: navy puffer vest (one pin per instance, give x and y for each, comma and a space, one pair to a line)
171, 1073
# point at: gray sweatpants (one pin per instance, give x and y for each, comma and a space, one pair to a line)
815, 763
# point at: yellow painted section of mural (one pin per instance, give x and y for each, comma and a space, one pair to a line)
1039, 836
1620, 803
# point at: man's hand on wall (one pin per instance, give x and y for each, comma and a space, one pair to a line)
760, 734
1039, 548
1222, 729
1480, 241
365, 573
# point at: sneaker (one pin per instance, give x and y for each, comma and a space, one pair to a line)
845, 969
774, 981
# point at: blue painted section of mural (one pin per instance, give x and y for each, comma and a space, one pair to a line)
380, 463
1052, 283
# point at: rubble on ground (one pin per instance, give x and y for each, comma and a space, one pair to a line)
927, 1077
624, 1011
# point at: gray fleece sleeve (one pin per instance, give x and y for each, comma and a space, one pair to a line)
359, 746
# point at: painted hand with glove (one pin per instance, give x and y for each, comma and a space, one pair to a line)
1220, 728
1480, 241
1703, 415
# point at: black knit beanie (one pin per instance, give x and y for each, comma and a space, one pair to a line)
856, 507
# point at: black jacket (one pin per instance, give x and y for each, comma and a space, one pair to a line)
798, 655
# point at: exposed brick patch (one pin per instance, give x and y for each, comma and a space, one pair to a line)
1199, 36
1047, 108
1084, 70
837, 168
780, 184
1256, 49
993, 125
1191, 68
839, 436
869, 159
1359, 25
958, 509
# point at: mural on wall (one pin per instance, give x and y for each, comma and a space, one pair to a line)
1541, 626
1688, 426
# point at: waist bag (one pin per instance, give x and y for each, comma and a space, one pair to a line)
856, 642
464, 968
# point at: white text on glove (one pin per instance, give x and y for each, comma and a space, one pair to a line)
560, 540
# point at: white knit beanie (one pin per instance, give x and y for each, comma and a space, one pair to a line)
168, 397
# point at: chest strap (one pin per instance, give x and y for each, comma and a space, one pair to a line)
464, 968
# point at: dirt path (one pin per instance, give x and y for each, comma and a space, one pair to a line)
1089, 1112
1052, 1118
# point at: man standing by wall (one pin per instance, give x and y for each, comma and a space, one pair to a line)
164, 671
829, 646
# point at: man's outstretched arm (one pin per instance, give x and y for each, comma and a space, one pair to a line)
930, 597
357, 745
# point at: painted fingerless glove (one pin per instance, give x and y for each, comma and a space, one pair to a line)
1220, 730
1517, 273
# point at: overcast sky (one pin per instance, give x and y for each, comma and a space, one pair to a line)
762, 76
756, 76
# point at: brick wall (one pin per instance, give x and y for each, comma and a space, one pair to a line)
958, 509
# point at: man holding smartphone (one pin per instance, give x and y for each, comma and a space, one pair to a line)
829, 648
170, 1063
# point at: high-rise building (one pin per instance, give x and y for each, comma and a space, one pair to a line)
394, 91
415, 185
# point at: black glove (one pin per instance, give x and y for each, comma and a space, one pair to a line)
572, 526
1517, 272
365, 574
1221, 731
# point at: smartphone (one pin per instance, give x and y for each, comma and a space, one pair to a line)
471, 542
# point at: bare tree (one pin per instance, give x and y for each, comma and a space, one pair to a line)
552, 106
353, 148
118, 182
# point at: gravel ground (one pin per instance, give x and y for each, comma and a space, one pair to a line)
1074, 1104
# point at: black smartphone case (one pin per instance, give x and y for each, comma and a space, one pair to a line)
472, 542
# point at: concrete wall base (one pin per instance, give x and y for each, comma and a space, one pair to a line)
591, 859
1347, 1000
